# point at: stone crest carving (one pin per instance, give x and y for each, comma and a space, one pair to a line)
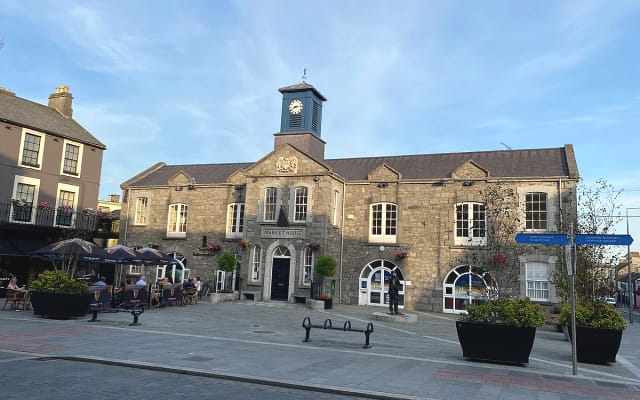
287, 164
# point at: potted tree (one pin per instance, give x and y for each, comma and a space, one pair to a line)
326, 268
501, 330
228, 263
599, 329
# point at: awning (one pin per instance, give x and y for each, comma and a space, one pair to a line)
20, 246
8, 249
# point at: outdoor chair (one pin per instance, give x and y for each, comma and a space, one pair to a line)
190, 296
17, 299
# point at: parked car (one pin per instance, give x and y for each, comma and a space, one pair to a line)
608, 300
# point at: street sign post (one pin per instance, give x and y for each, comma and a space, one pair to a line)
604, 240
541, 238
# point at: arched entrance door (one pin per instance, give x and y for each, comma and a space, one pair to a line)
374, 283
280, 273
465, 285
176, 273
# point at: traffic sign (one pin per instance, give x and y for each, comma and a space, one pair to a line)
541, 238
606, 240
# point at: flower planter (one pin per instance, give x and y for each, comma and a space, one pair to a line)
596, 345
60, 305
328, 304
495, 342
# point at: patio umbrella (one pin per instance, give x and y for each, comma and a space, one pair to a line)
152, 256
70, 251
124, 254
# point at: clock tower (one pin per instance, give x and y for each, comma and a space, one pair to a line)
301, 118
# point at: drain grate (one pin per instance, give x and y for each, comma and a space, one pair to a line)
263, 332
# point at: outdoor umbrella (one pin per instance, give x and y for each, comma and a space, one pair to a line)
124, 254
70, 251
152, 256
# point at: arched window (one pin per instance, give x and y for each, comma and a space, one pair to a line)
307, 266
255, 263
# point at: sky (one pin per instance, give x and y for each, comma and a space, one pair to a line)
196, 81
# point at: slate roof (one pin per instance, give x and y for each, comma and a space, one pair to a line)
28, 114
301, 87
533, 163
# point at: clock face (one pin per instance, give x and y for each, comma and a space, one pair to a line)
295, 107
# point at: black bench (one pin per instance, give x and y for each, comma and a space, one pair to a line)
307, 325
101, 302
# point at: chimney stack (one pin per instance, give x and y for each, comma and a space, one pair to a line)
114, 198
61, 101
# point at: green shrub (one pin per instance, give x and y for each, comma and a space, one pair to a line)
516, 312
227, 262
326, 266
57, 281
594, 315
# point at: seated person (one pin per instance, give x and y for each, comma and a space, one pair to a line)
189, 284
142, 281
13, 284
100, 282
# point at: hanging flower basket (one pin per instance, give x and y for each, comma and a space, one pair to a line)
401, 254
245, 244
314, 245
213, 247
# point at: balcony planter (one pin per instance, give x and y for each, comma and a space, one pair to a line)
500, 331
59, 305
328, 302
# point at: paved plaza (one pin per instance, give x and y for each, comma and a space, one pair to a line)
262, 342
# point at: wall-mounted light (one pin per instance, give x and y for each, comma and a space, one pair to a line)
178, 188
382, 184
191, 187
316, 178
467, 183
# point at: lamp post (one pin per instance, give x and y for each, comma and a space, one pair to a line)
630, 287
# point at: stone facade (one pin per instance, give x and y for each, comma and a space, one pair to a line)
339, 199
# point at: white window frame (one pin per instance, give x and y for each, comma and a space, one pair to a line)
301, 204
475, 228
40, 150
177, 228
538, 285
79, 161
235, 220
25, 180
256, 263
141, 209
388, 213
268, 204
307, 267
530, 223
67, 188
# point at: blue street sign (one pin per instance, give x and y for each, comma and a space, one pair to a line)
606, 240
541, 238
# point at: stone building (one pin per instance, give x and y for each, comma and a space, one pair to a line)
414, 215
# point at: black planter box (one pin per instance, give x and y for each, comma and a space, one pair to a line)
328, 304
60, 305
495, 342
596, 345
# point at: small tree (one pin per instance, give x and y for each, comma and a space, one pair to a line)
228, 263
326, 268
599, 210
499, 257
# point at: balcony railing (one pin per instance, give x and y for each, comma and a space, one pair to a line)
60, 218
